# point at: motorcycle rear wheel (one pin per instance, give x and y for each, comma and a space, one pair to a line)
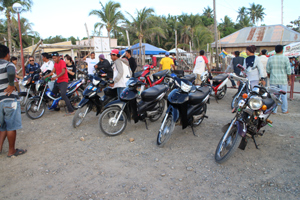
31, 109
107, 119
222, 93
161, 108
229, 144
167, 130
203, 111
80, 115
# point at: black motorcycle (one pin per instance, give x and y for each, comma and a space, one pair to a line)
187, 105
252, 114
92, 101
113, 119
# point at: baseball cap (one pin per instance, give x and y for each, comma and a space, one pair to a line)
114, 51
54, 54
101, 56
167, 53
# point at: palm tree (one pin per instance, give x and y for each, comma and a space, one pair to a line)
26, 32
256, 12
226, 27
195, 21
208, 12
109, 15
244, 22
242, 12
185, 29
202, 37
6, 5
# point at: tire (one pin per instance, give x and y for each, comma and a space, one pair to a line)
77, 101
203, 111
80, 115
164, 135
31, 109
232, 147
161, 108
23, 103
235, 101
222, 92
110, 113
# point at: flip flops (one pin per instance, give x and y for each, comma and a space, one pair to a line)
18, 152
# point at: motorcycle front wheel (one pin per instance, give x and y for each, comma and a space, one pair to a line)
23, 102
166, 131
160, 108
80, 115
32, 111
226, 149
235, 101
107, 121
222, 92
76, 98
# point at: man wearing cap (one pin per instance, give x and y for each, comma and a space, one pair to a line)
91, 63
62, 79
166, 63
104, 65
121, 71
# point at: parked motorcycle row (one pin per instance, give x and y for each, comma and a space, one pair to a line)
145, 98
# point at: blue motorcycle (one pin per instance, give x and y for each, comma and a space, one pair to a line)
36, 106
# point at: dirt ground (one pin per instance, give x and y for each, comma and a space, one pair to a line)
58, 165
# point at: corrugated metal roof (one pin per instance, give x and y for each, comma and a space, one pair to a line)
260, 36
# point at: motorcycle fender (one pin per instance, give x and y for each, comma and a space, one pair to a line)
117, 103
83, 102
224, 128
241, 128
174, 111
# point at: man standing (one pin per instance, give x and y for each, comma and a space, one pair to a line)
166, 63
121, 71
233, 65
10, 108
104, 65
62, 79
91, 63
264, 61
32, 67
199, 66
154, 60
279, 72
131, 61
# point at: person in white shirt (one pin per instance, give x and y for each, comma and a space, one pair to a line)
48, 65
91, 63
264, 61
199, 66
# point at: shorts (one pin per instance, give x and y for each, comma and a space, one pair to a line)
10, 115
198, 79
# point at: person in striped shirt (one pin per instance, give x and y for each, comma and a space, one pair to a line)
279, 72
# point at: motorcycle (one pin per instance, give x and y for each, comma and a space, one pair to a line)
187, 105
244, 87
219, 87
252, 114
92, 101
113, 120
36, 106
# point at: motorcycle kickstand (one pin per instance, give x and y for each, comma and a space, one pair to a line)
146, 124
194, 132
255, 142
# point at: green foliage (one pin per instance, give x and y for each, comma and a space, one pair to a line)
56, 39
256, 12
296, 24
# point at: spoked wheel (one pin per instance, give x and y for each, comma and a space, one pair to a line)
222, 92
226, 149
108, 121
80, 115
166, 131
32, 110
23, 103
77, 96
203, 113
235, 101
160, 107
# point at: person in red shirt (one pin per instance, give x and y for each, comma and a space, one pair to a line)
62, 78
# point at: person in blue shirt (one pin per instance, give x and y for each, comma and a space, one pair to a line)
32, 67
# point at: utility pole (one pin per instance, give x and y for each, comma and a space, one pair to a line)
176, 45
216, 34
282, 12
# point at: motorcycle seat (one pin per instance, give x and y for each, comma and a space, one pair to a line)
160, 74
197, 96
268, 102
137, 74
72, 83
190, 77
152, 93
220, 77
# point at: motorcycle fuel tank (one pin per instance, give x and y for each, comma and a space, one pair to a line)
177, 97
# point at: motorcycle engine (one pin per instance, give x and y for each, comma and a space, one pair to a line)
60, 103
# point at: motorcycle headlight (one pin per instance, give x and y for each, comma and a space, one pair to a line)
255, 103
37, 86
185, 87
95, 82
24, 83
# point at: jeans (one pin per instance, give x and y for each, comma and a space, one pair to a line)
284, 106
63, 90
10, 115
232, 82
119, 91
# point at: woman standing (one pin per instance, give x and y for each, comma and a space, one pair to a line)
14, 60
71, 68
254, 68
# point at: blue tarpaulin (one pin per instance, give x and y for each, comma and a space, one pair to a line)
149, 49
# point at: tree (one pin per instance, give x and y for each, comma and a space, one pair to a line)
242, 13
208, 12
6, 5
226, 27
244, 22
72, 39
295, 24
109, 15
202, 37
256, 12
26, 32
56, 39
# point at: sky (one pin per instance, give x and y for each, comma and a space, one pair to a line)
67, 17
